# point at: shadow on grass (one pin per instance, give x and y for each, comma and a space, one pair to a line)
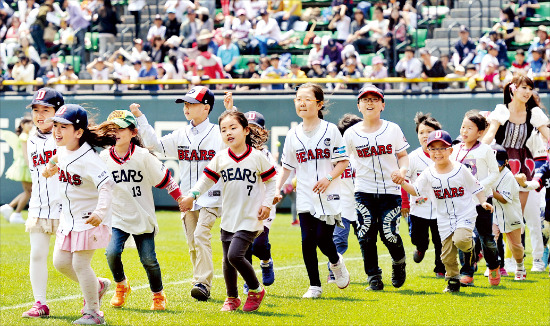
269, 314
413, 292
321, 298
144, 310
67, 318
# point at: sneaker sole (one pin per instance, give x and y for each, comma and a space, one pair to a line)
197, 294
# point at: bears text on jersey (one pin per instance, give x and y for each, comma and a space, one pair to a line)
449, 192
66, 177
368, 151
194, 155
43, 158
127, 176
303, 156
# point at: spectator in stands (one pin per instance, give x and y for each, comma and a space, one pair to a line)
55, 66
135, 7
67, 75
274, 71
251, 73
472, 75
490, 57
65, 38
355, 37
40, 24
538, 66
241, 28
106, 19
520, 64
481, 50
158, 29
295, 73
121, 71
491, 80
341, 23
432, 67
397, 25
205, 22
509, 24
181, 6
377, 28
208, 4
464, 49
504, 76
316, 52
502, 48
349, 53
449, 69
138, 54
6, 75
254, 7
332, 54
410, 67
99, 69
158, 49
198, 76
210, 63
316, 71
206, 37
189, 29
148, 73
27, 49
80, 23
25, 8
23, 71
332, 73
11, 39
44, 65
228, 52
172, 24
267, 33
458, 73
349, 72
540, 41
526, 9
174, 70
134, 74
408, 12
377, 71
236, 5
292, 10
344, 7
264, 64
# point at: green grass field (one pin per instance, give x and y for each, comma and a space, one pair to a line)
419, 302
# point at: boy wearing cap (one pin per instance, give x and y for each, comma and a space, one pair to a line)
450, 186
228, 52
158, 29
194, 145
275, 71
378, 149
464, 49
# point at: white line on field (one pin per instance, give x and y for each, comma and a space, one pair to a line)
146, 286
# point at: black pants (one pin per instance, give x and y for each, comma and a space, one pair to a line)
420, 228
137, 21
261, 247
316, 233
235, 246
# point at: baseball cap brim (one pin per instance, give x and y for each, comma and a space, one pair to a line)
60, 120
370, 91
121, 122
40, 103
441, 140
188, 100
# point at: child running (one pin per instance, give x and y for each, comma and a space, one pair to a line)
194, 145
378, 150
135, 171
481, 161
507, 217
315, 149
450, 186
240, 169
44, 206
422, 217
86, 189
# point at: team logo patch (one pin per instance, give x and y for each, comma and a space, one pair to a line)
40, 95
214, 193
339, 150
333, 197
327, 141
61, 110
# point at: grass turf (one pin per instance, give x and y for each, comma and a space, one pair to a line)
419, 302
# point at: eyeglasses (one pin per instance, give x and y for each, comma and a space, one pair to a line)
440, 149
305, 100
369, 100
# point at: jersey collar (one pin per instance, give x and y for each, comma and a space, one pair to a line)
195, 130
242, 157
121, 160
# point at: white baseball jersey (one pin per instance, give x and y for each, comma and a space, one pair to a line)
44, 202
452, 194
313, 158
268, 221
421, 206
135, 175
374, 157
507, 216
194, 147
347, 194
80, 174
243, 193
482, 162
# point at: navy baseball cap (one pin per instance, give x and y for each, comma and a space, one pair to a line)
48, 97
440, 135
500, 153
198, 94
72, 114
255, 118
371, 89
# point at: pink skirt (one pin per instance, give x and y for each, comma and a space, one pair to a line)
91, 239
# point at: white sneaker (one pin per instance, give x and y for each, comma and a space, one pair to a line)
6, 210
17, 218
538, 265
521, 275
313, 292
341, 274
510, 265
487, 271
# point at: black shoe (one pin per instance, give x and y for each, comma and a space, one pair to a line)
200, 292
398, 275
375, 283
453, 286
418, 256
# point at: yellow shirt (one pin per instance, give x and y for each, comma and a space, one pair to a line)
287, 5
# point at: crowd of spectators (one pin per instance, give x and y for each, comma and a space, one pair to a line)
193, 40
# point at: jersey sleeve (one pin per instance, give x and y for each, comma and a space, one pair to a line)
157, 174
401, 143
166, 145
492, 169
422, 183
348, 141
339, 152
471, 184
288, 159
504, 188
96, 168
211, 170
266, 168
411, 171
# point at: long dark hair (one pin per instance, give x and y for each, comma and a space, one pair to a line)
241, 119
510, 15
109, 127
519, 80
319, 96
19, 129
427, 120
477, 119
346, 121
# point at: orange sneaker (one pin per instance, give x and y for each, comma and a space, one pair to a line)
159, 301
494, 276
121, 294
466, 280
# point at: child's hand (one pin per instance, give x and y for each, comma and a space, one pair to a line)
405, 212
263, 213
93, 220
134, 108
50, 170
487, 206
228, 101
321, 186
185, 203
288, 188
397, 178
521, 178
277, 199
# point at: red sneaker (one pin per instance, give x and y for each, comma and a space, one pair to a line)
295, 223
231, 304
254, 300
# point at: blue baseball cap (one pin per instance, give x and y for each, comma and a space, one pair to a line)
198, 94
255, 118
72, 114
440, 135
48, 97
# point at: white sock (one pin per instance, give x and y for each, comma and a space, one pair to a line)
38, 266
520, 266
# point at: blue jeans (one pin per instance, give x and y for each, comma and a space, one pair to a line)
37, 34
291, 20
145, 244
261, 43
340, 236
261, 247
378, 214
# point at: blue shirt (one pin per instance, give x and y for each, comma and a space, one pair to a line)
464, 49
536, 66
529, 12
144, 73
227, 54
272, 72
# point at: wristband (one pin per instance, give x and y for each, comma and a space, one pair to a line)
52, 162
329, 177
194, 194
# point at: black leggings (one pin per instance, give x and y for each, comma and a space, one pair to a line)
261, 247
316, 233
235, 246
